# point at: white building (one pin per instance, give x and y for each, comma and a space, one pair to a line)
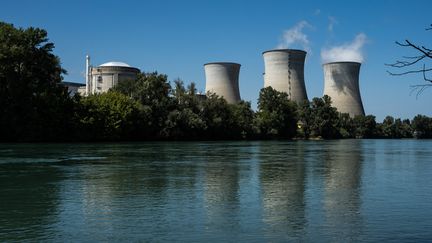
103, 77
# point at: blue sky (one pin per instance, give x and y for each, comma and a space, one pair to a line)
178, 37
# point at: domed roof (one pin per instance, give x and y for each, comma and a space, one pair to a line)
115, 64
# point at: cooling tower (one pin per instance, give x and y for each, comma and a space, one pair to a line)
341, 83
284, 71
222, 79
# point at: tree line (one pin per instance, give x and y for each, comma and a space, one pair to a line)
36, 107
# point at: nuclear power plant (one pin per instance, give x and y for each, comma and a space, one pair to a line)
105, 76
222, 79
341, 83
284, 71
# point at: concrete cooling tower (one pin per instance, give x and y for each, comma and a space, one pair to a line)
284, 71
341, 83
222, 79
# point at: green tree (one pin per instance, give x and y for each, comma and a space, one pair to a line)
34, 106
422, 126
212, 118
403, 128
325, 121
365, 126
387, 129
184, 120
108, 116
305, 119
152, 91
346, 125
276, 116
395, 128
242, 118
216, 114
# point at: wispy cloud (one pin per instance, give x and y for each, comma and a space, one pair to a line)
332, 22
317, 12
351, 51
295, 36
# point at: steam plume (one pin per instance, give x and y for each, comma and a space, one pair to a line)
346, 52
295, 35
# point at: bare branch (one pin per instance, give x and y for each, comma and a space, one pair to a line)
428, 54
413, 57
409, 72
424, 74
426, 49
419, 89
401, 64
410, 61
407, 43
400, 44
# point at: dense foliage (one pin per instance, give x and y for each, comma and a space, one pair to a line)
36, 107
148, 109
110, 116
33, 105
276, 116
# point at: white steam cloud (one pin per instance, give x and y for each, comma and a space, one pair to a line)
295, 36
348, 52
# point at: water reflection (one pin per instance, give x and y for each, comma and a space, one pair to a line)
141, 185
343, 164
221, 188
29, 200
282, 177
331, 191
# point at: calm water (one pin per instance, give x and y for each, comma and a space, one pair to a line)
344, 190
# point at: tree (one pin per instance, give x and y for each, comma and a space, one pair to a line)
152, 91
277, 115
108, 116
415, 64
403, 128
364, 126
387, 129
242, 117
34, 106
216, 114
184, 120
305, 118
394, 128
325, 118
346, 125
422, 126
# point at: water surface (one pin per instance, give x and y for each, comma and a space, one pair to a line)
262, 191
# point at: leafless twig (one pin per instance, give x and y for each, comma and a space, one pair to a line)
423, 55
419, 89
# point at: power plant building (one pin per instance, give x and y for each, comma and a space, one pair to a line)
284, 71
101, 78
341, 83
73, 87
222, 78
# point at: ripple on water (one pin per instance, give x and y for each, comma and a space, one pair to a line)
277, 191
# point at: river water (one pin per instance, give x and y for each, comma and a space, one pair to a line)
253, 191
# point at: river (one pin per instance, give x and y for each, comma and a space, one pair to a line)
249, 191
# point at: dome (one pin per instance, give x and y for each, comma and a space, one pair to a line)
115, 64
